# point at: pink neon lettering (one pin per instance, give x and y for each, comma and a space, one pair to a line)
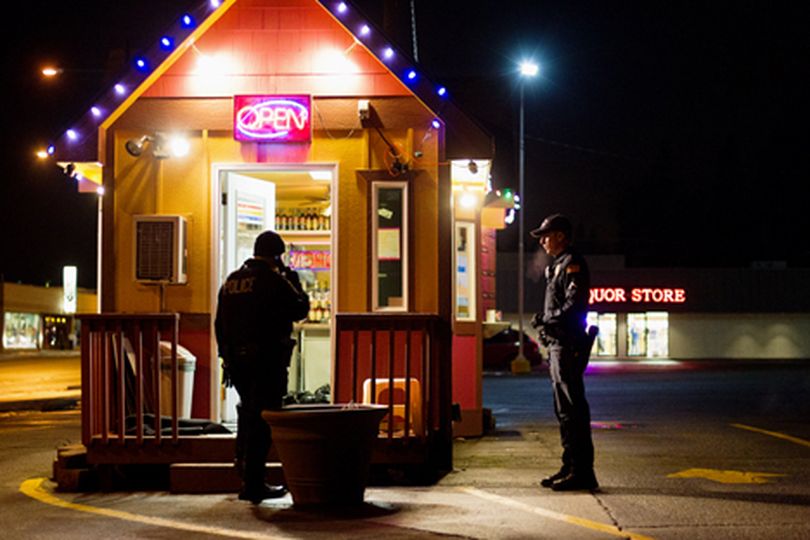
615, 295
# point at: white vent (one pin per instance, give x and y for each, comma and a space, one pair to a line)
160, 249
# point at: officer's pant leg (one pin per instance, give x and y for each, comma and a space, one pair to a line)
571, 409
257, 435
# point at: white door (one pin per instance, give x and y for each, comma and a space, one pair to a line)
248, 209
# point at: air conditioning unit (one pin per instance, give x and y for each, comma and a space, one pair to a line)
161, 253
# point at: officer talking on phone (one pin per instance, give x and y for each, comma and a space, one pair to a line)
256, 309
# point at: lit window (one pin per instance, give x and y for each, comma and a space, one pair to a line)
389, 273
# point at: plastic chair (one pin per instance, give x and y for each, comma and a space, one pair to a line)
383, 396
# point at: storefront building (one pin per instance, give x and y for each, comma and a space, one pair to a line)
296, 116
41, 318
742, 313
691, 313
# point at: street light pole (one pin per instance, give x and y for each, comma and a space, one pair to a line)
520, 364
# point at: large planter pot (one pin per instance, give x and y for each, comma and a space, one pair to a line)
325, 450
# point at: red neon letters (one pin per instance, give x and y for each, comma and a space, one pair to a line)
272, 118
617, 295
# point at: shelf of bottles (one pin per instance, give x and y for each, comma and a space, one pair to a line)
320, 303
302, 219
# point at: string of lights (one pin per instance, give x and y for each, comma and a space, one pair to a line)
181, 36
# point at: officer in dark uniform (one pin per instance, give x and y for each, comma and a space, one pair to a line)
257, 306
562, 330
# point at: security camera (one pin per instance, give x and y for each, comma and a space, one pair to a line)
135, 146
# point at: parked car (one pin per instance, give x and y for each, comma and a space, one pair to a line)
502, 348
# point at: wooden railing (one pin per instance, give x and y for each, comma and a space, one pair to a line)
121, 377
396, 360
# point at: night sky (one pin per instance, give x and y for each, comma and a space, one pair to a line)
674, 133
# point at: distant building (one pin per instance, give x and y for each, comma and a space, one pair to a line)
34, 317
760, 312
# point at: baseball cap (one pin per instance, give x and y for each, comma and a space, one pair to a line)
553, 223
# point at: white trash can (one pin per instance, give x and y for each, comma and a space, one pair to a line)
186, 365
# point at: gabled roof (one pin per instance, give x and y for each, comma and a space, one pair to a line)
464, 138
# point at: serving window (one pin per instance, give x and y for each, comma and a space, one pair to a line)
389, 241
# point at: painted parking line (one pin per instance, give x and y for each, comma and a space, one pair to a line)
727, 477
773, 434
34, 489
565, 518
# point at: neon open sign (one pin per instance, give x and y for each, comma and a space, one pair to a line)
272, 118
618, 295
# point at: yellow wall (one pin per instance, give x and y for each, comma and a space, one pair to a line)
182, 186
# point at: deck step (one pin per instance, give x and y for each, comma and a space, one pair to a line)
213, 477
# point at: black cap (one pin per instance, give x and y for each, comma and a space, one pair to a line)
268, 244
553, 223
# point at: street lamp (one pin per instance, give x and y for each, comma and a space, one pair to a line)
519, 364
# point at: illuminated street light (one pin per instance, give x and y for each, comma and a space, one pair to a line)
529, 69
520, 364
51, 71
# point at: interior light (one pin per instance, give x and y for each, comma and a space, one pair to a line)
167, 43
120, 89
467, 200
321, 175
187, 21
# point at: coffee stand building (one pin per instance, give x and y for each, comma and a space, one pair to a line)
297, 116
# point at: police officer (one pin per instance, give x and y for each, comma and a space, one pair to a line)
562, 330
257, 306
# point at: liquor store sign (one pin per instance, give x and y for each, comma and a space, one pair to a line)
636, 295
272, 118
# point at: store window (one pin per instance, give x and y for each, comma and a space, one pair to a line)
389, 246
606, 341
465, 271
648, 334
636, 334
658, 334
21, 330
